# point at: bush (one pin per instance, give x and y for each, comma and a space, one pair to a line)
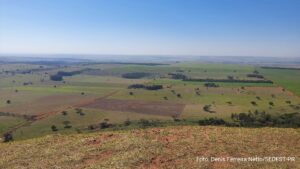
212, 121
127, 122
210, 85
263, 119
7, 137
64, 113
147, 123
207, 108
54, 128
178, 76
56, 77
135, 75
141, 86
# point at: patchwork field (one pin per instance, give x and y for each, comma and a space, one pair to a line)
86, 95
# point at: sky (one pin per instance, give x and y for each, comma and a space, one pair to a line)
151, 27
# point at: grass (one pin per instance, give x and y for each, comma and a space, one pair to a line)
7, 122
169, 147
38, 96
77, 121
289, 79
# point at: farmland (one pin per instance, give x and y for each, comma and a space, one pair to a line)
100, 92
108, 111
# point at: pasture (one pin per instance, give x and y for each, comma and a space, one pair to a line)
101, 93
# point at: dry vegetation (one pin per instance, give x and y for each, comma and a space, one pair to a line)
170, 147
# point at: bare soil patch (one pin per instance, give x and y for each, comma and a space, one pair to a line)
138, 106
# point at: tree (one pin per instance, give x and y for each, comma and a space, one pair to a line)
56, 77
207, 108
271, 103
67, 124
64, 113
131, 93
230, 77
229, 102
127, 122
179, 95
8, 101
54, 128
253, 103
7, 137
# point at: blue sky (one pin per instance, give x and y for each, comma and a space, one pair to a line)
151, 27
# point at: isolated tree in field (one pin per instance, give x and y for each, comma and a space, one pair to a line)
179, 95
64, 113
67, 124
127, 122
255, 72
54, 128
82, 93
207, 108
288, 102
8, 101
7, 137
16, 91
131, 93
271, 103
78, 111
165, 97
175, 118
229, 102
258, 98
105, 124
230, 77
253, 103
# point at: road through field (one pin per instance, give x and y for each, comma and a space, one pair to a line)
44, 115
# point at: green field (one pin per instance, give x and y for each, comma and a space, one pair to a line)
36, 95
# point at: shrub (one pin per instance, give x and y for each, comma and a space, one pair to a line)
64, 113
127, 122
141, 86
135, 75
54, 128
212, 121
56, 77
210, 84
147, 123
104, 125
7, 137
207, 108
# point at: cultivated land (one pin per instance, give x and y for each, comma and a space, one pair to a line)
44, 105
101, 93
